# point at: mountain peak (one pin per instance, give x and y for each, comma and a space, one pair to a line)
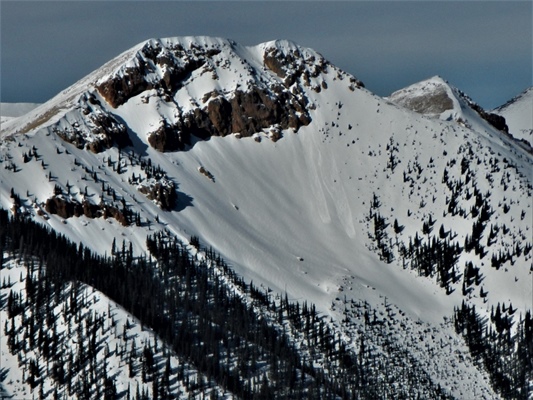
362, 206
435, 97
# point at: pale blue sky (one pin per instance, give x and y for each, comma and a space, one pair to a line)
484, 48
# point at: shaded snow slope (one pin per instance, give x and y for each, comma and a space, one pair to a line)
291, 209
116, 331
518, 114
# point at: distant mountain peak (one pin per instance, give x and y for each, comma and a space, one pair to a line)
437, 98
433, 97
526, 95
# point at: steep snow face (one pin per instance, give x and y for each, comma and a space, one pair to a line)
268, 204
292, 207
518, 114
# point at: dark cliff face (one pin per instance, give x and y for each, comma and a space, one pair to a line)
164, 195
67, 208
495, 120
245, 113
120, 88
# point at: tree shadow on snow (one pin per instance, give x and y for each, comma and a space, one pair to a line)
3, 376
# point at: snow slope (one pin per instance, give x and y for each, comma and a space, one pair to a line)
293, 214
518, 112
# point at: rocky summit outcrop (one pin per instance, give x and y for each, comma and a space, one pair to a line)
187, 87
291, 65
175, 62
431, 103
268, 99
435, 97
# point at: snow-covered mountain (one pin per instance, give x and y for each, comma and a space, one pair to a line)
303, 181
518, 113
13, 110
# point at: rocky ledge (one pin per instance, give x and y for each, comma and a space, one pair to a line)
245, 113
67, 208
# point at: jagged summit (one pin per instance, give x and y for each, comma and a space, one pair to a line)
437, 98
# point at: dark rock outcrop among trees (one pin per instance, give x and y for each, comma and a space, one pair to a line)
67, 208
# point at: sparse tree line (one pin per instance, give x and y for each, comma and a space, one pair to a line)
152, 181
505, 353
506, 356
502, 344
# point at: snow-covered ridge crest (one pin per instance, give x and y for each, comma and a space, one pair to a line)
54, 109
15, 110
10, 111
